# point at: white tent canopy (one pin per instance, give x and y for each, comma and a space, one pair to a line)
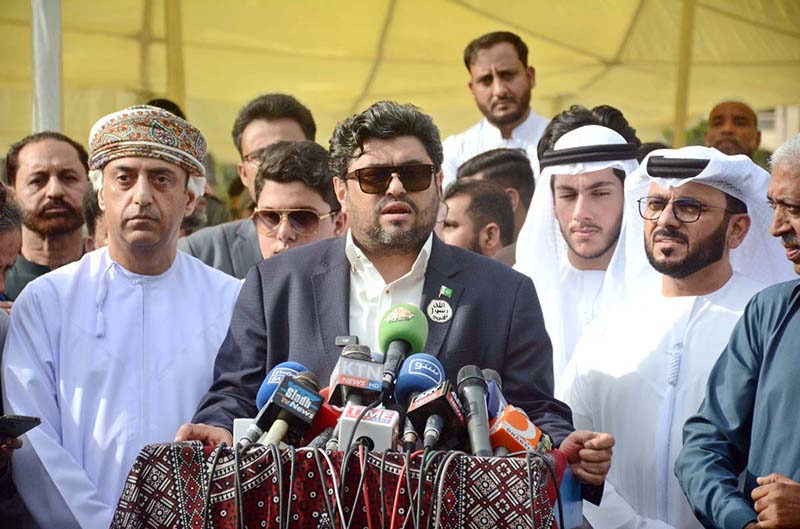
338, 57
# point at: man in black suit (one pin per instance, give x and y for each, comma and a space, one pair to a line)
386, 164
233, 246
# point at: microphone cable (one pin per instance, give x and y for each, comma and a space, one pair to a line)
382, 488
335, 487
237, 479
442, 471
550, 470
328, 507
372, 405
360, 486
431, 502
421, 483
214, 461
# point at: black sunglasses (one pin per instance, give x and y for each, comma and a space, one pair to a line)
302, 221
375, 180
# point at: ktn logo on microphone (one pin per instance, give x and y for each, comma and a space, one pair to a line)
426, 369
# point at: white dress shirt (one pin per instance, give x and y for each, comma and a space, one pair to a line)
110, 361
483, 136
371, 297
638, 372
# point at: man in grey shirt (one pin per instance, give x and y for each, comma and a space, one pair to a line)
233, 246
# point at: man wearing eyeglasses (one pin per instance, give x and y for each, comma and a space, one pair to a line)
639, 370
296, 203
748, 424
233, 247
386, 164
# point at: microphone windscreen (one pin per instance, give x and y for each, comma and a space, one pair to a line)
419, 372
274, 378
403, 322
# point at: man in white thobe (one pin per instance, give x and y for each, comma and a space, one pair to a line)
640, 369
572, 232
501, 81
114, 351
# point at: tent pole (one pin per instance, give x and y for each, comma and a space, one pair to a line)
682, 74
47, 74
176, 87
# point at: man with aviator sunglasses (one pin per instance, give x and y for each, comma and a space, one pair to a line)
386, 163
295, 200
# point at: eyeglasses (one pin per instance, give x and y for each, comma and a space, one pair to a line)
254, 158
303, 221
686, 210
375, 180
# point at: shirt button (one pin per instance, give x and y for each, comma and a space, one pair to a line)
386, 291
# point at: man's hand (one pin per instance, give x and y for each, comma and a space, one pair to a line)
589, 455
7, 447
777, 502
208, 435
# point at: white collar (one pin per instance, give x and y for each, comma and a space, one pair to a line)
358, 260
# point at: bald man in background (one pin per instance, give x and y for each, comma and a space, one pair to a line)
733, 129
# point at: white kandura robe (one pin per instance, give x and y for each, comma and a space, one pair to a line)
566, 316
110, 361
638, 372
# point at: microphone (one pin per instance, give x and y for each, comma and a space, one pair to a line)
403, 330
274, 378
495, 400
473, 390
321, 439
293, 405
356, 378
263, 420
377, 429
512, 430
419, 372
327, 417
437, 414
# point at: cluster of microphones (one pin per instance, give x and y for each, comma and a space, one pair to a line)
398, 399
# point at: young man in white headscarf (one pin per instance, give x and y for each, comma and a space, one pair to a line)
114, 351
640, 368
572, 231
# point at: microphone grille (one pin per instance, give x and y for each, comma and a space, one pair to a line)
308, 380
470, 375
358, 352
493, 376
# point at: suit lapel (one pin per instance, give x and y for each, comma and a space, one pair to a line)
244, 249
331, 284
441, 279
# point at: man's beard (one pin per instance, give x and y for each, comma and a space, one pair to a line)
731, 147
509, 119
705, 252
411, 240
50, 224
610, 242
475, 242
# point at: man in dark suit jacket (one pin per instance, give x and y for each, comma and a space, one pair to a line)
292, 306
233, 246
